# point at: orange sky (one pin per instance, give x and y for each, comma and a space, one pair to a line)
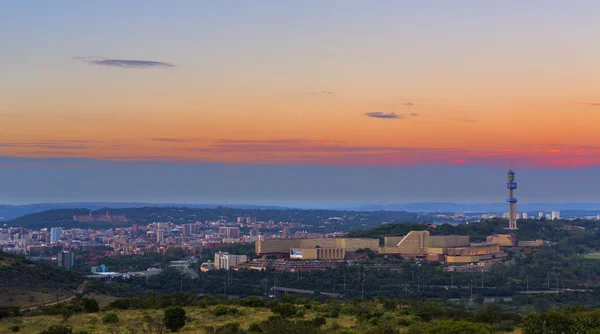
517, 85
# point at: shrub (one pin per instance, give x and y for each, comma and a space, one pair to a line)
110, 318
319, 321
14, 328
90, 305
285, 310
57, 329
253, 302
230, 328
254, 328
220, 310
174, 318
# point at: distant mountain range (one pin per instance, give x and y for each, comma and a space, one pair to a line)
8, 212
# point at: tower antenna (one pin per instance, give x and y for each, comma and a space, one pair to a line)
511, 185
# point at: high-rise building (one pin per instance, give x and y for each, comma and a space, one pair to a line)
190, 229
229, 232
251, 220
159, 236
66, 259
525, 215
555, 215
227, 261
55, 233
540, 214
254, 232
512, 201
285, 232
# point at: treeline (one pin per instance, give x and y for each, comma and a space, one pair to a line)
529, 229
313, 218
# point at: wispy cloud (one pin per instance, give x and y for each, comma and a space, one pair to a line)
321, 93
124, 63
172, 140
404, 104
590, 104
415, 114
383, 115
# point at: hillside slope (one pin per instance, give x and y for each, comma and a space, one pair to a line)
26, 282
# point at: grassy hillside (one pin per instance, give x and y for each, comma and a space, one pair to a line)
350, 317
25, 282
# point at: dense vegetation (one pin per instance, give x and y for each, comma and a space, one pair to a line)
529, 229
289, 314
316, 220
26, 282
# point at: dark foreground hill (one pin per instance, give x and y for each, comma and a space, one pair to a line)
25, 282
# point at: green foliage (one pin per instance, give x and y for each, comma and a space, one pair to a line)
562, 321
450, 327
57, 329
253, 302
287, 326
110, 318
9, 311
174, 317
319, 321
230, 328
285, 310
221, 310
89, 305
20, 276
254, 328
14, 328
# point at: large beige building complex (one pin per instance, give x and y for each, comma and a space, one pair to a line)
316, 248
447, 248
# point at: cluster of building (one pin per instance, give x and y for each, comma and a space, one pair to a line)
450, 249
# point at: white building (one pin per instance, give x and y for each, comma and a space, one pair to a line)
55, 233
525, 215
555, 215
226, 260
540, 215
548, 216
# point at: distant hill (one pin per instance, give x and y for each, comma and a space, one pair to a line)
591, 208
9, 212
25, 282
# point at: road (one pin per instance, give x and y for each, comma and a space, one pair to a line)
78, 291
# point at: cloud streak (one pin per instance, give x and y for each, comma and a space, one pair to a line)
382, 115
590, 104
172, 140
125, 63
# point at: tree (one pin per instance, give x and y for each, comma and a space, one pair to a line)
90, 305
174, 318
67, 311
285, 310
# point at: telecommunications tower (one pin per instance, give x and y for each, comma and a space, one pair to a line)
512, 201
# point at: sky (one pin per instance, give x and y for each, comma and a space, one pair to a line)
298, 102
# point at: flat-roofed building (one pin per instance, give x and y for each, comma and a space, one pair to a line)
274, 246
